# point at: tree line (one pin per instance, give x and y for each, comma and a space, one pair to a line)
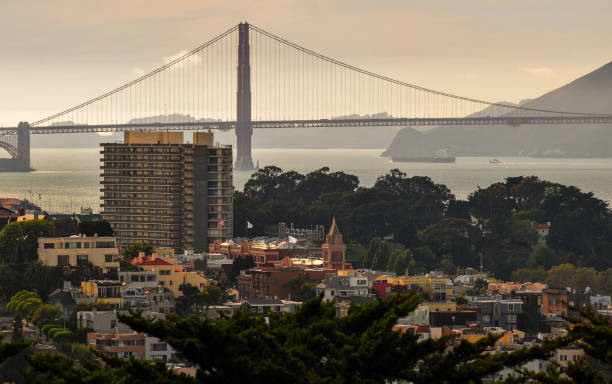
427, 227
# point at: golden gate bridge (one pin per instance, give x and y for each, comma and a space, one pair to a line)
247, 78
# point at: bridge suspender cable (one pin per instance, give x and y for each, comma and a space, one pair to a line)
416, 87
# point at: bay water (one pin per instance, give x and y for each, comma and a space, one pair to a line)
66, 179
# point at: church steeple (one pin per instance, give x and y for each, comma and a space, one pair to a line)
334, 236
334, 249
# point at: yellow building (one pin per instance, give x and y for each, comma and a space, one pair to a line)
441, 288
76, 251
170, 275
104, 291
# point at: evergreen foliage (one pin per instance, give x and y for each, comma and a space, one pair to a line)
426, 218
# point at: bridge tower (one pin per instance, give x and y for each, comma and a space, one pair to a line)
23, 146
244, 130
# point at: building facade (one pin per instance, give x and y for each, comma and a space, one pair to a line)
160, 191
122, 345
77, 251
498, 312
273, 282
103, 291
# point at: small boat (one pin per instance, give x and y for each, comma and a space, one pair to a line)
494, 161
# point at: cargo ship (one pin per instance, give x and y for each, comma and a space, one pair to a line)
440, 156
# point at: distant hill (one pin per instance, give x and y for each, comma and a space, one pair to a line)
591, 93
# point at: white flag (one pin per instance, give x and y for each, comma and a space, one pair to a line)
293, 240
249, 225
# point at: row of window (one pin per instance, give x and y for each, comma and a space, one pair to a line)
141, 157
81, 244
158, 235
141, 172
127, 148
108, 210
139, 203
140, 180
143, 188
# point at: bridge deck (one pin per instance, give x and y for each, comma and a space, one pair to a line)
322, 123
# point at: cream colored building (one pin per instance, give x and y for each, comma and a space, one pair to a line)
81, 250
169, 274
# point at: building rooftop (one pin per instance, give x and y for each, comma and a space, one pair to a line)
148, 261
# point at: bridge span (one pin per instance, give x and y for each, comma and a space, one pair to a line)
247, 78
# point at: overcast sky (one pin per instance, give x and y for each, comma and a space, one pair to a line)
57, 53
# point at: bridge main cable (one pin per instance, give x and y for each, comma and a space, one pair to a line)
138, 80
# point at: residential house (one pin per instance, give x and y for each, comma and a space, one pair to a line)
138, 279
497, 312
104, 291
80, 250
160, 299
343, 287
115, 344
170, 275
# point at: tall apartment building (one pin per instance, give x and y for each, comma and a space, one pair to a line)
161, 191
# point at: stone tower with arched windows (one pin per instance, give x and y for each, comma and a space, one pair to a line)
334, 249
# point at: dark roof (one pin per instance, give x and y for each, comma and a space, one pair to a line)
257, 301
336, 282
61, 297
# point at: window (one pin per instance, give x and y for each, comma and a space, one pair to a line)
49, 246
86, 244
109, 258
164, 272
105, 244
114, 324
510, 307
332, 293
511, 318
63, 260
73, 245
486, 318
82, 260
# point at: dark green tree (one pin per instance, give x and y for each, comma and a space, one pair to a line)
542, 256
132, 250
93, 228
19, 240
301, 289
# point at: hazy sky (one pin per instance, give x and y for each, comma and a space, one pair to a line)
57, 53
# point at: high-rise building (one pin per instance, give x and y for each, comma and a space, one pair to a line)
161, 191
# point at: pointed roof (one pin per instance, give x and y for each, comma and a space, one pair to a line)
334, 236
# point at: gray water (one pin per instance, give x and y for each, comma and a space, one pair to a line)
67, 179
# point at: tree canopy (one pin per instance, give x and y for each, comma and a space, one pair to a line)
19, 240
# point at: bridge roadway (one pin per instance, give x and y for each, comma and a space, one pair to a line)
320, 123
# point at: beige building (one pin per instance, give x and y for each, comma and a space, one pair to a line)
76, 251
160, 191
170, 275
